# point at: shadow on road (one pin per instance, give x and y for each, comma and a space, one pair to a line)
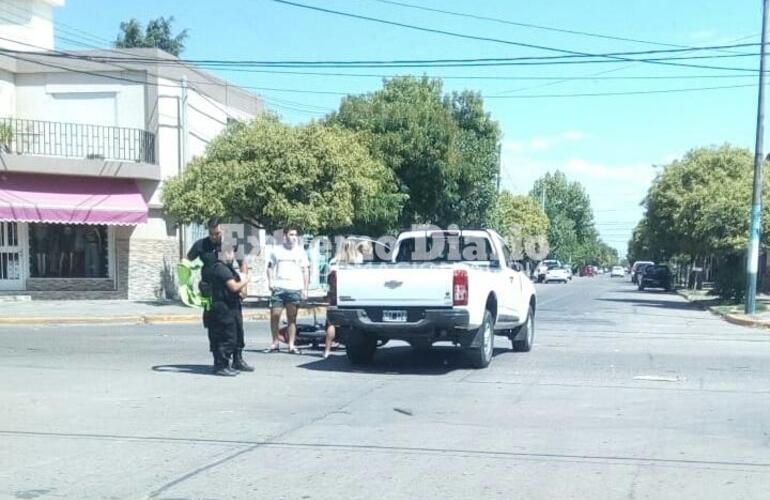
661, 303
191, 369
402, 360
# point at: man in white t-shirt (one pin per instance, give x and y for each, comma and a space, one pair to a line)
288, 277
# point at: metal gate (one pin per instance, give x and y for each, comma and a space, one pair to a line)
11, 256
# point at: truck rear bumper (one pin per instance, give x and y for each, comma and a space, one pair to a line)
427, 322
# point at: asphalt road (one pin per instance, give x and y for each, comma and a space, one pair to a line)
626, 395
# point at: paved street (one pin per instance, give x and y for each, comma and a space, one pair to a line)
626, 395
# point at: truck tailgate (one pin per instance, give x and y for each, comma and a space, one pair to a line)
394, 285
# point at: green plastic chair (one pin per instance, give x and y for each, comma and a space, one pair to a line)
188, 276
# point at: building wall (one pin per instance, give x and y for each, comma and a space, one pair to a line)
153, 253
29, 22
78, 98
152, 269
7, 94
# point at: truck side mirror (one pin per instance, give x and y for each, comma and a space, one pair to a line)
516, 266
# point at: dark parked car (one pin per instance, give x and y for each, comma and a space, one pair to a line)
587, 271
656, 276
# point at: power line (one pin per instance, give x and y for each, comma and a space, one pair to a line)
490, 78
622, 93
623, 56
15, 54
476, 37
526, 25
432, 63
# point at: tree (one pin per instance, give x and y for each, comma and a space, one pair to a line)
568, 199
698, 207
269, 174
572, 234
518, 219
157, 35
441, 149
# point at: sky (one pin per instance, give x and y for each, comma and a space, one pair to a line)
612, 144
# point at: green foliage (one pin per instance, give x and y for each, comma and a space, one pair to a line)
517, 217
441, 149
157, 35
269, 174
730, 277
699, 206
6, 134
572, 234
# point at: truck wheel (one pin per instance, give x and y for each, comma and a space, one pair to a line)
527, 331
481, 356
360, 347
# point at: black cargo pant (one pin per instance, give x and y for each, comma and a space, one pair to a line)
225, 329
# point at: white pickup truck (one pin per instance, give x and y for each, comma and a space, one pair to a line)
456, 286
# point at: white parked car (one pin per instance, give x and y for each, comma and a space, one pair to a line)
447, 293
556, 273
617, 271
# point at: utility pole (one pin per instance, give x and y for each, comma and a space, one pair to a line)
752, 262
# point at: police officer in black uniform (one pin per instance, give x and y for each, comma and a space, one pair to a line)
207, 250
225, 321
210, 244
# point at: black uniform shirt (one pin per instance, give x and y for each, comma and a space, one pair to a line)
219, 274
201, 247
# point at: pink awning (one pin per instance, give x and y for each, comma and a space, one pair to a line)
64, 199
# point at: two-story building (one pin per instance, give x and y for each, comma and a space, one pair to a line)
84, 148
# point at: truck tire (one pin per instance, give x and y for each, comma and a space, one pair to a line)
527, 331
360, 347
481, 356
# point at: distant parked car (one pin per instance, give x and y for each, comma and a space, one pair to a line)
617, 271
637, 268
656, 276
586, 271
568, 268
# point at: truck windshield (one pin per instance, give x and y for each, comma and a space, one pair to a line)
447, 248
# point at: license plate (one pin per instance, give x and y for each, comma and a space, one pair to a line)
394, 316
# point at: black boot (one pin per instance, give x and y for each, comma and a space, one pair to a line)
222, 366
239, 363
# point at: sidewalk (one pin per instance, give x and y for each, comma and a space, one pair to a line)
43, 312
731, 313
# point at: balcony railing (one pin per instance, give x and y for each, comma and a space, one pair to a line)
76, 140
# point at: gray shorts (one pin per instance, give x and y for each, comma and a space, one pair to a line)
282, 296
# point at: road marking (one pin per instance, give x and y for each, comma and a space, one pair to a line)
658, 378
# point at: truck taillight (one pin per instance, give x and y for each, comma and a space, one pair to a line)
460, 288
332, 288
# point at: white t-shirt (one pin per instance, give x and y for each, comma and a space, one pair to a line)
288, 265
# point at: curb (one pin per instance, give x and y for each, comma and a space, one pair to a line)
148, 319
743, 320
73, 320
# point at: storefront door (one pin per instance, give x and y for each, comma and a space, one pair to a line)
12, 242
